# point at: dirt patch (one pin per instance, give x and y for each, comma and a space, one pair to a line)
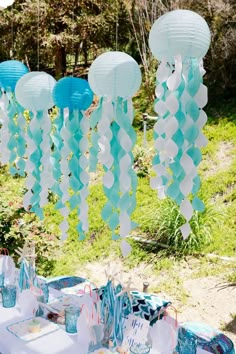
210, 299
223, 158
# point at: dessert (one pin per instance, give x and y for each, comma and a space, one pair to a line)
34, 326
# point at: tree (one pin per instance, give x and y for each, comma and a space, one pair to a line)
52, 32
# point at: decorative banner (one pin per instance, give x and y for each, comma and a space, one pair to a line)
12, 133
115, 77
72, 96
180, 39
34, 93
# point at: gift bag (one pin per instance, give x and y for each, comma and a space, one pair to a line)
28, 303
90, 330
164, 333
7, 267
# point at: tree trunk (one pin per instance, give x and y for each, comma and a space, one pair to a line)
60, 62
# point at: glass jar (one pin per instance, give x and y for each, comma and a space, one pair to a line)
9, 296
140, 349
71, 316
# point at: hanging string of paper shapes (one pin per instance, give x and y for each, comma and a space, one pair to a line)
12, 133
72, 96
34, 93
115, 77
179, 39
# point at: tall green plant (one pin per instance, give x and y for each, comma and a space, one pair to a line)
163, 225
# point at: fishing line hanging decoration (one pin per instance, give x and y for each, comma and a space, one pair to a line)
34, 93
69, 158
12, 132
179, 39
115, 77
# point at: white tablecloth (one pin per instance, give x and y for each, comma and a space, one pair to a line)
58, 342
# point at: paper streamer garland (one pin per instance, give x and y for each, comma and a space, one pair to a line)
34, 93
115, 77
73, 96
180, 39
12, 133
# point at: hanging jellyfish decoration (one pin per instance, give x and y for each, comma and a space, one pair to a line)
115, 77
34, 93
12, 133
73, 97
179, 40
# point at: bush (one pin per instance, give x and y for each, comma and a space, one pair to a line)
162, 224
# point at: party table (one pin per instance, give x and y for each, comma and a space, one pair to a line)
57, 342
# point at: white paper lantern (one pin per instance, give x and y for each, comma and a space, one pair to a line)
179, 32
114, 74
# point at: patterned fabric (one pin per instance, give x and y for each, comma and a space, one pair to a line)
206, 337
59, 283
145, 305
148, 306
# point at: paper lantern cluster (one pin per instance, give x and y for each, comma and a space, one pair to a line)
57, 158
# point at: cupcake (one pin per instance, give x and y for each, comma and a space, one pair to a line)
34, 326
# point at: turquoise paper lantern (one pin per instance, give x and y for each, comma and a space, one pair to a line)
115, 74
180, 32
73, 93
10, 72
34, 91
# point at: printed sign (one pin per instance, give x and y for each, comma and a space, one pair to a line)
135, 331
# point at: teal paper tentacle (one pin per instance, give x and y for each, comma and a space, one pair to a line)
21, 141
4, 131
127, 180
110, 212
65, 171
75, 182
95, 117
36, 136
13, 132
56, 153
46, 167
84, 177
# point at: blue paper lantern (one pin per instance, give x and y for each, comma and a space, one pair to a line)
72, 96
179, 39
180, 32
10, 72
73, 93
115, 77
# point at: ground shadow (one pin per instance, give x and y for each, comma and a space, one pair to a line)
231, 326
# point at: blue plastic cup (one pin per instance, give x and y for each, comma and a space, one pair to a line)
140, 349
9, 296
187, 342
45, 290
71, 316
1, 280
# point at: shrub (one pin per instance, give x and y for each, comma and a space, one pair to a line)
162, 224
